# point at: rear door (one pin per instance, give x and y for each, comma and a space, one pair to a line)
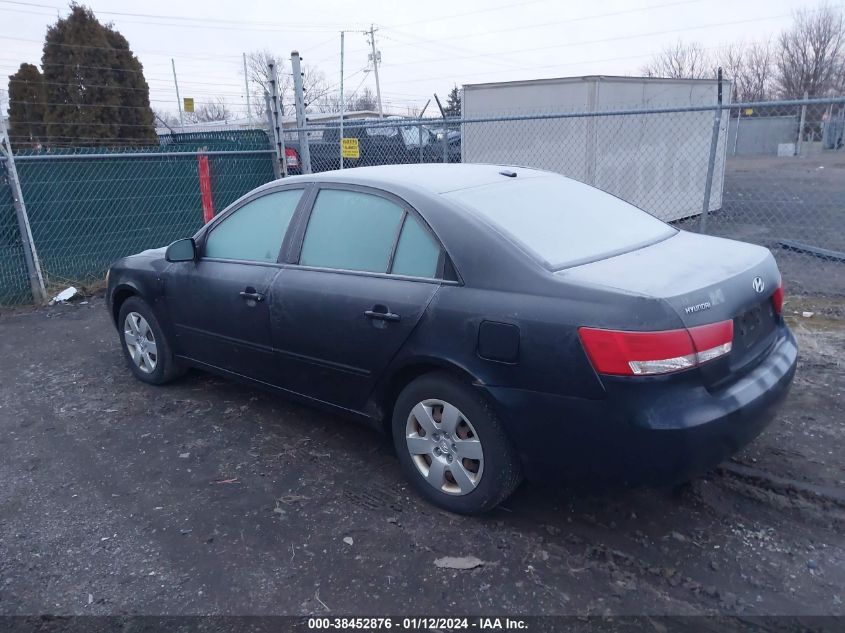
220, 304
364, 272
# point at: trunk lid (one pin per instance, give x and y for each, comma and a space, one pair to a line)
703, 279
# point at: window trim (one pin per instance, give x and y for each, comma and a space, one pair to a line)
201, 237
298, 237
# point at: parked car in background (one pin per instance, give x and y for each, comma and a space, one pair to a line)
380, 142
496, 321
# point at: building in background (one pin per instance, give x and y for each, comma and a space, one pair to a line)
656, 161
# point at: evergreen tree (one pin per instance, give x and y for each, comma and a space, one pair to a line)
27, 106
95, 86
453, 103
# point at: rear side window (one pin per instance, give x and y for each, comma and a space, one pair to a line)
563, 222
417, 253
349, 230
256, 230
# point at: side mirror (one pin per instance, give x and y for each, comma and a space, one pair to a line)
184, 250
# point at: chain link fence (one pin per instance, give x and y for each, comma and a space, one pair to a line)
785, 189
88, 207
768, 173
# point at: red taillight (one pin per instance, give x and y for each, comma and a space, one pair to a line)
291, 157
777, 297
645, 353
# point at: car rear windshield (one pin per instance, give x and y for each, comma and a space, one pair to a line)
560, 221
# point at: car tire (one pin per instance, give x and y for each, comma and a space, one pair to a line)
145, 346
468, 470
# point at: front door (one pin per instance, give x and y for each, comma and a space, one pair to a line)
221, 314
367, 270
220, 305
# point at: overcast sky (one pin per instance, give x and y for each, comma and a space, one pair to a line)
426, 47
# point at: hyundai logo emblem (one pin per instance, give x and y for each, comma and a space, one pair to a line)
758, 284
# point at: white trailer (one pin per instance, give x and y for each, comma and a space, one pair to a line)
656, 161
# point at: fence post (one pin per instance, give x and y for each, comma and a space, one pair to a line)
276, 118
420, 130
736, 127
33, 265
711, 161
301, 121
205, 188
801, 125
280, 159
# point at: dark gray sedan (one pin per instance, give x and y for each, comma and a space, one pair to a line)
496, 321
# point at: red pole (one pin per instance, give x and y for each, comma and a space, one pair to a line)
205, 189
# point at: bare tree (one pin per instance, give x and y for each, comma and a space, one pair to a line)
680, 61
365, 100
314, 82
759, 69
360, 100
811, 54
166, 119
750, 69
214, 110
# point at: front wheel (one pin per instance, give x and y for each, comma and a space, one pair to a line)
145, 347
451, 445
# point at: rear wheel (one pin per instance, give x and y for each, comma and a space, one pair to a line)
452, 446
147, 350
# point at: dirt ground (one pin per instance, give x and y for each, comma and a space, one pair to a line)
208, 497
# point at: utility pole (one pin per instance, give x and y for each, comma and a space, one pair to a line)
33, 266
376, 57
304, 151
342, 104
246, 90
274, 113
178, 99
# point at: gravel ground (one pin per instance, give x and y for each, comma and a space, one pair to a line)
209, 497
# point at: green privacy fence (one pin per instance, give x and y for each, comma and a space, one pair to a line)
88, 208
14, 283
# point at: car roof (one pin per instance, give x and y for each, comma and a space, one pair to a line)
430, 177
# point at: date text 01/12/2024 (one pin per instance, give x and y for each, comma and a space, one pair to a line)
418, 623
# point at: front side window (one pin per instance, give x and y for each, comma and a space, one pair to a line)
256, 230
349, 230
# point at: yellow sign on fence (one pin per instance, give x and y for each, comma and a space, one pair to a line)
349, 148
188, 104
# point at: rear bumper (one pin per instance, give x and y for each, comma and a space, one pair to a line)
652, 431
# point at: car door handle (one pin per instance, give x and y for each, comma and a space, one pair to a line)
382, 316
251, 295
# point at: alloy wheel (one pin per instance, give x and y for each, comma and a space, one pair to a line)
141, 342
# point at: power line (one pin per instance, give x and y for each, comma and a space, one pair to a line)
566, 65
603, 40
133, 51
193, 21
523, 27
440, 18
